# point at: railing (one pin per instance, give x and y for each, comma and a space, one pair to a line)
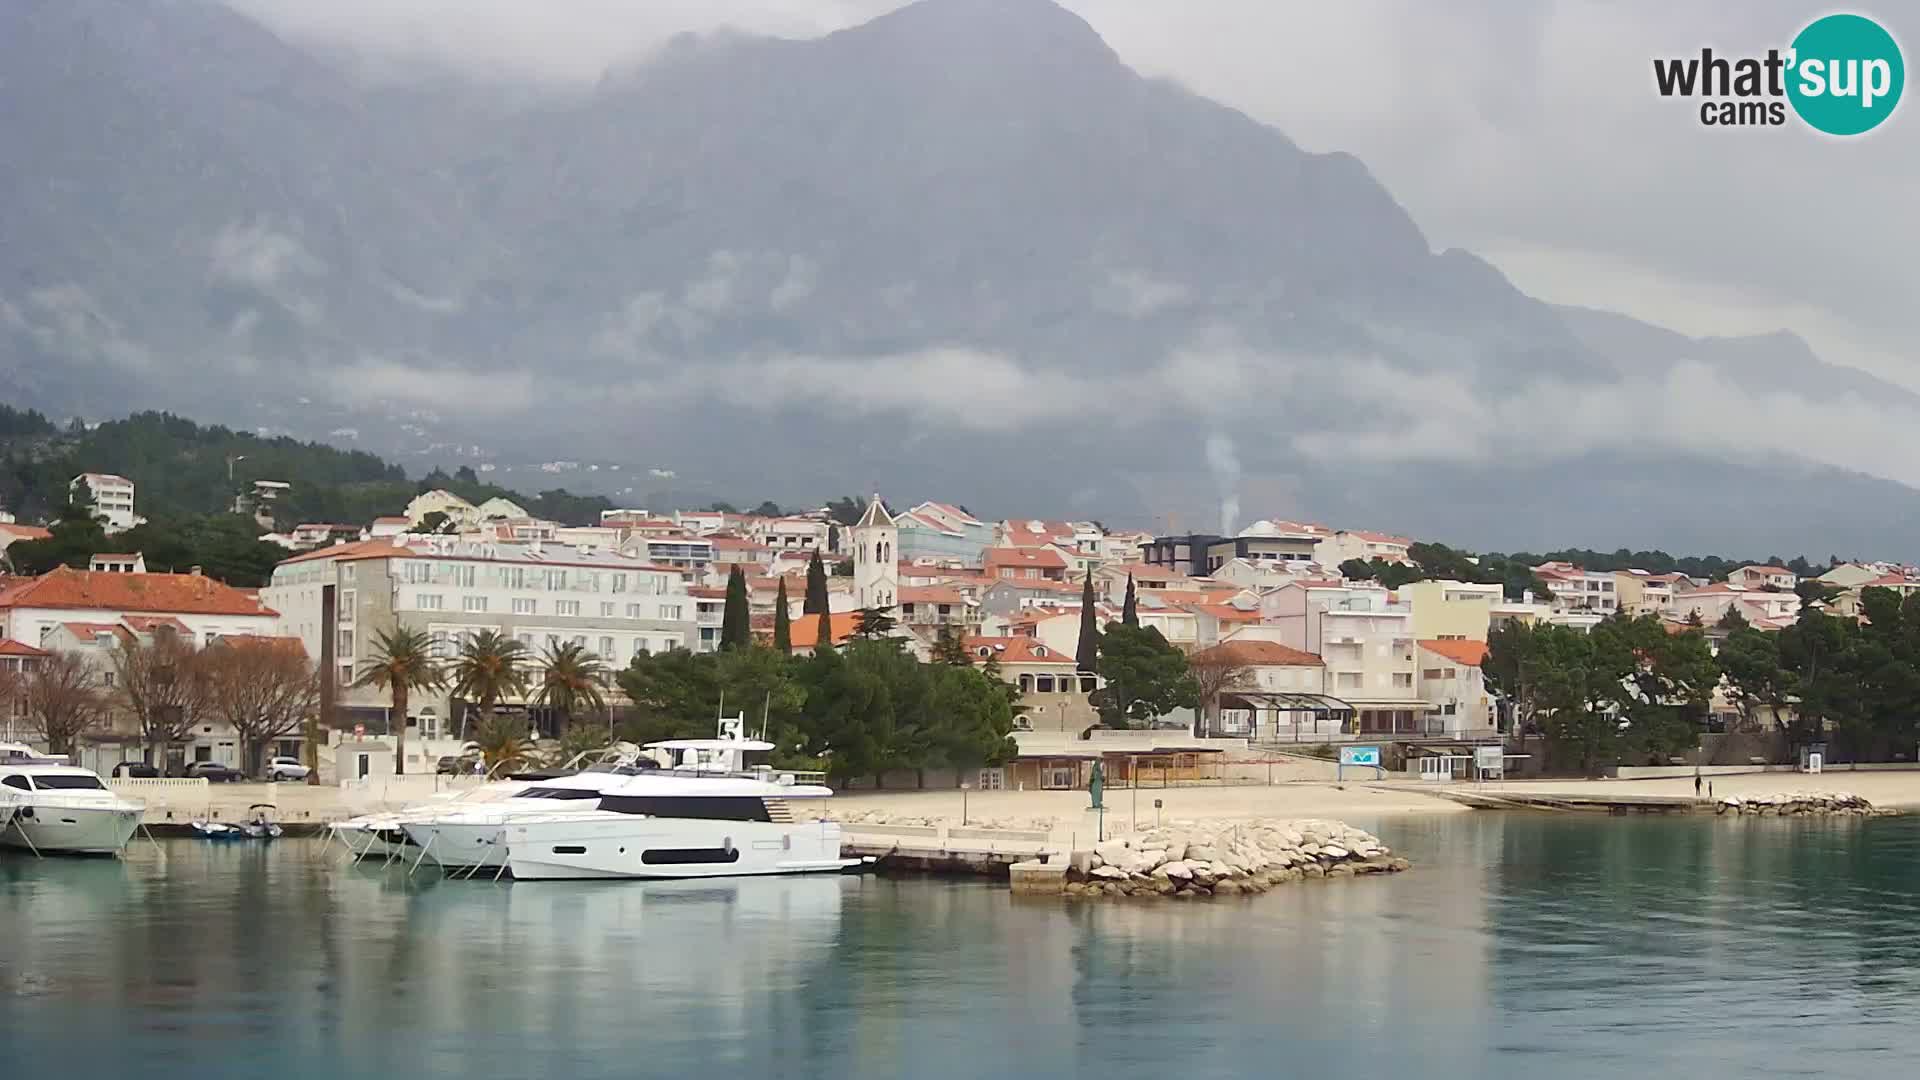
157, 783
51, 799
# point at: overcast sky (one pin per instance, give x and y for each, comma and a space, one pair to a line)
1529, 133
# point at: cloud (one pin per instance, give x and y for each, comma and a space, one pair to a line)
67, 320
1137, 293
432, 386
256, 256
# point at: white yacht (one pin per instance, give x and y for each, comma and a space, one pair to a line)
382, 834
50, 807
676, 826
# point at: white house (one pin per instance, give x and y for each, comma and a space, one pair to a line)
1764, 577
112, 499
1450, 678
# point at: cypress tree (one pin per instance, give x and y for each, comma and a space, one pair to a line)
1130, 612
736, 623
1087, 657
824, 637
816, 587
782, 622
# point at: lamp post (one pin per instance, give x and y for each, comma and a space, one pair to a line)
964, 788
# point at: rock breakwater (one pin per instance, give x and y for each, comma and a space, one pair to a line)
1192, 859
1801, 804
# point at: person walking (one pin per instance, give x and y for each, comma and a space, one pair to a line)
1696, 781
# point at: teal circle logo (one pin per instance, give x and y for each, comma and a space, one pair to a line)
1845, 74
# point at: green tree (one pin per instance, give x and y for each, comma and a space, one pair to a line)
736, 621
401, 662
1666, 682
768, 508
816, 586
489, 668
674, 694
1130, 610
503, 743
970, 719
873, 624
950, 648
433, 523
1146, 678
570, 680
1087, 655
782, 621
1756, 678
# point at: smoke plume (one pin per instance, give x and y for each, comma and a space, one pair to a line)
1224, 463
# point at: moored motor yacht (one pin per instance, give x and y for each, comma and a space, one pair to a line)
51, 807
666, 826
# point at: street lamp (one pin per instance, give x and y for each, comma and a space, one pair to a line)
964, 788
230, 461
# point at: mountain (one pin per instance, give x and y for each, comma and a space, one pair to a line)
960, 250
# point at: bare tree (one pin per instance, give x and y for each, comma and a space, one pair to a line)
60, 699
161, 682
263, 689
1216, 671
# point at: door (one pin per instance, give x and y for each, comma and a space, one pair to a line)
364, 766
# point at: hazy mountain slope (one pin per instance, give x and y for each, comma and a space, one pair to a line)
961, 249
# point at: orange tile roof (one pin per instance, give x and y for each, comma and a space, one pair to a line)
1766, 569
804, 631
1017, 650
1225, 612
181, 594
1044, 557
10, 647
276, 641
931, 594
146, 624
1470, 653
24, 532
1262, 654
87, 631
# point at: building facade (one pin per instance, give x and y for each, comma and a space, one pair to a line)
112, 499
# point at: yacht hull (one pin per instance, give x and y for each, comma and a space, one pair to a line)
627, 847
68, 830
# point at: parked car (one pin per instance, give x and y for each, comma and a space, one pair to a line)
456, 765
136, 770
214, 772
286, 768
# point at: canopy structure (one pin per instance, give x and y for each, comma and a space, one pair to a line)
1318, 704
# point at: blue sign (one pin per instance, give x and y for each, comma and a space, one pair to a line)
1360, 755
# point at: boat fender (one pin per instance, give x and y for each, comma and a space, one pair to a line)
26, 812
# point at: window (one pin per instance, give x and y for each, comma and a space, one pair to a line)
606, 646
441, 646
1348, 680
17, 782
633, 611
106, 678
1450, 673
347, 598
640, 646
348, 571
587, 580
1045, 683
1447, 709
1402, 680
619, 583
1430, 673
566, 607
556, 579
463, 576
553, 641
429, 601
473, 603
606, 609
526, 638
514, 577
525, 605
346, 643
415, 572
991, 779
670, 611
580, 640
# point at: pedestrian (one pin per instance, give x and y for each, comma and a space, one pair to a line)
1696, 781
1709, 791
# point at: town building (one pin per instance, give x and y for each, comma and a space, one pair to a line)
1279, 696
206, 609
876, 558
1025, 563
11, 534
1363, 545
1366, 640
1580, 590
1764, 577
103, 563
112, 499
1451, 679
1451, 610
451, 588
942, 532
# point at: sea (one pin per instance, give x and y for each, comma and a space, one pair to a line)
1538, 946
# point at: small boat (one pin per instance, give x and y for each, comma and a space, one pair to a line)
258, 827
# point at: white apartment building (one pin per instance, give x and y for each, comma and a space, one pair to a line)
1582, 590
452, 588
1450, 678
112, 499
1367, 643
792, 533
1363, 545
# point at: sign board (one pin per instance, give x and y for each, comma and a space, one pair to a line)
1360, 755
1489, 757
1814, 761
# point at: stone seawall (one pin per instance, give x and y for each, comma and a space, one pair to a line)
1192, 859
1801, 804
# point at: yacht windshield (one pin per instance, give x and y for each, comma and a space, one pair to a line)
559, 793
85, 783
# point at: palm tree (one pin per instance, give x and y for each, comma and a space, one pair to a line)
503, 742
489, 667
570, 678
402, 662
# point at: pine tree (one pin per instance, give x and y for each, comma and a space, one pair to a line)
782, 622
950, 648
816, 587
1087, 656
1130, 611
736, 622
873, 624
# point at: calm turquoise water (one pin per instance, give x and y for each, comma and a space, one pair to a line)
1520, 946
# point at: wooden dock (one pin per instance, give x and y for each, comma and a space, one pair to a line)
1581, 804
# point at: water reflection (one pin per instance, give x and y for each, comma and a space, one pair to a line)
1519, 946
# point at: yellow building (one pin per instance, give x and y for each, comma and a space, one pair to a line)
1451, 610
